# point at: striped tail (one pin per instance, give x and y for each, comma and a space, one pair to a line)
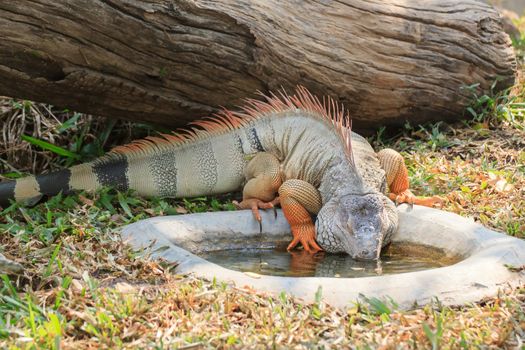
105, 171
29, 190
7, 192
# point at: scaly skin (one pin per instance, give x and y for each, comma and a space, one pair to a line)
299, 148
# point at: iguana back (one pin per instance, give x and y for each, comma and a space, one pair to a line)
210, 158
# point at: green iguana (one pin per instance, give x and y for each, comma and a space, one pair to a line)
293, 150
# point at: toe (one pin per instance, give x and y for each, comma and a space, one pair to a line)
311, 246
316, 246
293, 243
256, 214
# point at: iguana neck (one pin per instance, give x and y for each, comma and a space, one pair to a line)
340, 178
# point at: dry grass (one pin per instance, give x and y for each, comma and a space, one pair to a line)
480, 175
77, 132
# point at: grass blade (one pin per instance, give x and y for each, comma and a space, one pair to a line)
50, 147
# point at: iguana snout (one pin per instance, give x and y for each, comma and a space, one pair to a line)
366, 241
354, 224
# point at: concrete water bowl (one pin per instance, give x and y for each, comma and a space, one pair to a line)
482, 272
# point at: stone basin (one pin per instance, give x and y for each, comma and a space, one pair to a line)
481, 272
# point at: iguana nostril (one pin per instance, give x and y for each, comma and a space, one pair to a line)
364, 253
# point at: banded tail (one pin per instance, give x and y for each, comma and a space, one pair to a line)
106, 171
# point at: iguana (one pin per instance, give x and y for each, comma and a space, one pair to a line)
294, 150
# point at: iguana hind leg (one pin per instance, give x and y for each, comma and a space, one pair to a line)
263, 173
299, 199
397, 179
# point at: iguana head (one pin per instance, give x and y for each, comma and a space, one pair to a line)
356, 217
357, 224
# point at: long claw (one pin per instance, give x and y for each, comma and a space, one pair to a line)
257, 216
305, 236
255, 204
313, 247
293, 244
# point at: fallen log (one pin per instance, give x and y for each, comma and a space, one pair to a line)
169, 62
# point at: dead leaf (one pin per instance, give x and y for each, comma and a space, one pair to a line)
181, 210
503, 186
124, 287
252, 275
76, 285
85, 200
116, 218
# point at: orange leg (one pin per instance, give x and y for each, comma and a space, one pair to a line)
299, 199
397, 179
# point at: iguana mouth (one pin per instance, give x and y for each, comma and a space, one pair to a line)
365, 251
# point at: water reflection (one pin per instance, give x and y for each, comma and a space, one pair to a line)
279, 262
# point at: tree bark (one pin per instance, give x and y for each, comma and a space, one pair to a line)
170, 62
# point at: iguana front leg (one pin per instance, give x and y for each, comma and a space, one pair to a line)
263, 173
299, 199
397, 179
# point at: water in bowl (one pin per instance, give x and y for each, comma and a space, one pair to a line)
397, 258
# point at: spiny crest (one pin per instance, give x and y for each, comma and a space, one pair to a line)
224, 121
217, 124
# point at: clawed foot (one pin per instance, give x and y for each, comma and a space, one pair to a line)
404, 197
430, 201
256, 204
408, 197
304, 234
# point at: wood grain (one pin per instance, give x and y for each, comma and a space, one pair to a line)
170, 62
